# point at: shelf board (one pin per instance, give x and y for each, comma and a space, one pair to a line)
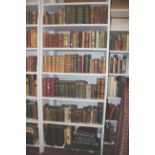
31, 145
119, 52
73, 124
70, 26
112, 121
31, 25
31, 98
119, 24
74, 74
31, 4
33, 73
120, 13
108, 143
76, 49
117, 28
73, 99
29, 120
59, 147
125, 75
116, 100
31, 49
83, 3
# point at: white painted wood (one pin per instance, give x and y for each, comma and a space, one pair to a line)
115, 25
76, 49
73, 124
31, 98
125, 75
120, 13
81, 3
74, 74
119, 52
28, 120
33, 73
73, 99
106, 80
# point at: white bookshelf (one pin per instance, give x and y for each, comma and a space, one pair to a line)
40, 51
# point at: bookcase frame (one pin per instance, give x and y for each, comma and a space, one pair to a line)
40, 49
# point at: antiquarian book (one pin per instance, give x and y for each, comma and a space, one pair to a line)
31, 109
31, 133
31, 38
31, 85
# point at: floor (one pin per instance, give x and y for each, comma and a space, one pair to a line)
108, 150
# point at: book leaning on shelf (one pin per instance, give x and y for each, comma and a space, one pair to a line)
112, 111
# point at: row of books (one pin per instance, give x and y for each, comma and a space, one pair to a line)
119, 41
115, 86
31, 38
112, 111
31, 63
72, 1
31, 109
71, 113
118, 64
59, 135
76, 39
77, 14
74, 63
31, 17
31, 85
53, 87
31, 133
110, 132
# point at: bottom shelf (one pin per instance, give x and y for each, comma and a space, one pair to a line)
109, 143
83, 147
33, 145
58, 147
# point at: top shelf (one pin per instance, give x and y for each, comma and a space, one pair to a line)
76, 3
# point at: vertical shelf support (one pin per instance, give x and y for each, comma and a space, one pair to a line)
40, 109
106, 80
